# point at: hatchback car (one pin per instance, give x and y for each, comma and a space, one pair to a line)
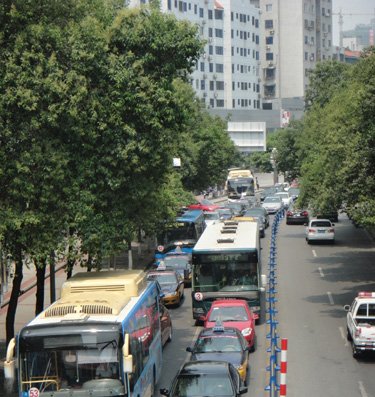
320, 230
296, 215
224, 344
206, 379
172, 285
272, 204
233, 313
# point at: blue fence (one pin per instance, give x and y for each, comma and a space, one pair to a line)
274, 350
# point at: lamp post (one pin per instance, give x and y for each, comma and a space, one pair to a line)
273, 159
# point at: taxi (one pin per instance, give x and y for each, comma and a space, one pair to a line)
223, 344
233, 313
171, 284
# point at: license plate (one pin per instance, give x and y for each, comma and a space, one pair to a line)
321, 231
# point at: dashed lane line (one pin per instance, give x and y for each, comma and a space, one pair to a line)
343, 336
314, 253
321, 272
362, 389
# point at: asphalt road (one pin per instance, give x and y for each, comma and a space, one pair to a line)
314, 282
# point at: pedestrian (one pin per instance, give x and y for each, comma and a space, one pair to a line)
257, 183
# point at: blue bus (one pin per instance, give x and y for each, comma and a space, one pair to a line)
182, 234
101, 338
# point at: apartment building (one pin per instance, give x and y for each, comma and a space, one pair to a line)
296, 34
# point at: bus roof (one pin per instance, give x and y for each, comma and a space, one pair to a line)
239, 173
102, 295
228, 236
190, 216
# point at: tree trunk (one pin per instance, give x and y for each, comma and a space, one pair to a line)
89, 263
130, 255
12, 307
40, 277
70, 262
52, 277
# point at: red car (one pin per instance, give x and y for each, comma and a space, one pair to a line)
204, 205
233, 313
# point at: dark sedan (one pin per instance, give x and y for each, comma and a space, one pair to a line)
206, 379
223, 344
295, 215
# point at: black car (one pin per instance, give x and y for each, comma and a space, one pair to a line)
259, 212
224, 344
206, 379
296, 215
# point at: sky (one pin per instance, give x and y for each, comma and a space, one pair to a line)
365, 7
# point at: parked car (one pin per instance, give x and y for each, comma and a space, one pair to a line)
272, 204
296, 215
206, 379
204, 205
224, 344
320, 230
233, 313
171, 283
285, 197
259, 212
211, 217
165, 325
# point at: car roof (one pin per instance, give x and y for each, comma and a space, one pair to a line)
204, 367
230, 331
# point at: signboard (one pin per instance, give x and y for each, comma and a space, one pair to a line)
285, 118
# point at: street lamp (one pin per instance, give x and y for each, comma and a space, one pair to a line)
273, 159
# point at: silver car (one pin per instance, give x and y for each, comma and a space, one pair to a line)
272, 204
320, 230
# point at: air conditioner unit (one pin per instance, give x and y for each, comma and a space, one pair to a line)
272, 32
312, 57
328, 13
268, 48
270, 64
209, 58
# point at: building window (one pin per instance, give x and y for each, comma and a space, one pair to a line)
268, 23
268, 7
219, 14
232, 51
196, 84
201, 13
211, 67
220, 85
219, 68
169, 5
195, 9
269, 39
210, 14
209, 32
233, 86
203, 84
219, 50
306, 56
219, 33
257, 23
212, 103
202, 66
211, 49
306, 40
212, 85
220, 103
233, 103
269, 56
256, 39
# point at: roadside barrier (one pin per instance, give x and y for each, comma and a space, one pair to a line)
276, 368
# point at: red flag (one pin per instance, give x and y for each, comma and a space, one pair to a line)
218, 5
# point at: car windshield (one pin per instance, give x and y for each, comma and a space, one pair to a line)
273, 199
283, 195
163, 278
212, 216
220, 343
176, 262
321, 224
228, 313
210, 385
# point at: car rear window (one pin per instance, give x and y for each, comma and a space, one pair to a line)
321, 224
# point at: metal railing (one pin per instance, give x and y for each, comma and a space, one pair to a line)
274, 350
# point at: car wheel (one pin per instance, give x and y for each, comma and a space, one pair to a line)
356, 352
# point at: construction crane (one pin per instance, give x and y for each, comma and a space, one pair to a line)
341, 22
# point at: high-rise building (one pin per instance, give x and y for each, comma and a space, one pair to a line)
295, 35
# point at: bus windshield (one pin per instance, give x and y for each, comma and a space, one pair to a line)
230, 272
54, 362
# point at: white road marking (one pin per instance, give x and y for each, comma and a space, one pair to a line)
321, 272
343, 335
197, 330
330, 298
362, 389
314, 253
